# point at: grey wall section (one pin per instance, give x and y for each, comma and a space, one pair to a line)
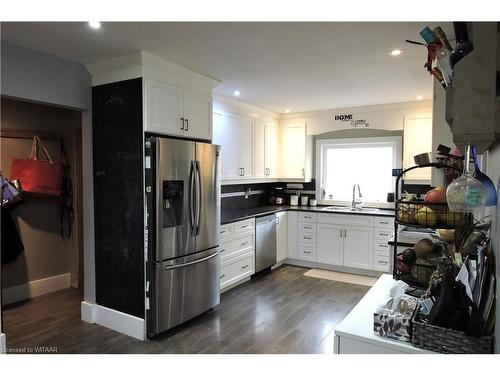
352, 133
46, 253
39, 77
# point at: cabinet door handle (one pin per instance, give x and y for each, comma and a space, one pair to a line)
382, 262
244, 243
303, 172
307, 227
307, 217
307, 252
186, 128
383, 222
307, 237
182, 123
222, 250
222, 276
245, 266
383, 234
345, 233
100, 173
277, 220
383, 245
243, 171
341, 233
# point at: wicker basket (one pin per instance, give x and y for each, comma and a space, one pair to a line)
445, 340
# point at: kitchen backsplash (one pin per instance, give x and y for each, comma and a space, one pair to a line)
233, 197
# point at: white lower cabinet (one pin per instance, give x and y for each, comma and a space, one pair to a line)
292, 236
237, 252
358, 247
330, 244
281, 236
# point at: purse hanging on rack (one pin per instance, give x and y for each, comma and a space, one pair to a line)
44, 177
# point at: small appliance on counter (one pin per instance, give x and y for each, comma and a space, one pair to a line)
279, 195
294, 200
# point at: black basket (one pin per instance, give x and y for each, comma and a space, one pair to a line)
418, 276
445, 340
418, 213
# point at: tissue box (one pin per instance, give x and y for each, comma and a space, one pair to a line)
395, 324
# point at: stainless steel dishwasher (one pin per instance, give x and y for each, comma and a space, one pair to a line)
265, 242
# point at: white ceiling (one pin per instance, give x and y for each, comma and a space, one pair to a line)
300, 66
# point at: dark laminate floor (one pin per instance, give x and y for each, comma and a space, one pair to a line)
283, 312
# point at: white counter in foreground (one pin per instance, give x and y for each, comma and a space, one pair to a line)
354, 335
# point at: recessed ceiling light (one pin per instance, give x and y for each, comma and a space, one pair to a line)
95, 24
287, 110
395, 52
419, 97
236, 93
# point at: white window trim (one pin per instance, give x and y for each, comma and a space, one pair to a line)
321, 144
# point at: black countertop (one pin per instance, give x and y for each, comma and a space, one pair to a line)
237, 215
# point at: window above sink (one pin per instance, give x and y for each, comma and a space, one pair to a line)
368, 162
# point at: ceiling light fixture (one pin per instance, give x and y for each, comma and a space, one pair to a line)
395, 52
236, 93
95, 24
287, 110
419, 97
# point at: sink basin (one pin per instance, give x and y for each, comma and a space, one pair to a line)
350, 209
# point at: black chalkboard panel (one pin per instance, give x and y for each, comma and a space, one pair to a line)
118, 196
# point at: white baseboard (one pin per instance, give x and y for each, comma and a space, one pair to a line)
36, 288
3, 345
124, 323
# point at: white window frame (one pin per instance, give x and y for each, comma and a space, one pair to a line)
324, 144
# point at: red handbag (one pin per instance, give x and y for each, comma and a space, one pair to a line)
43, 177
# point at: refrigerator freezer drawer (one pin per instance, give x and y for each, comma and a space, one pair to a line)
185, 288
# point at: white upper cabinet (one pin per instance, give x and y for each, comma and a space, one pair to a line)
296, 150
245, 146
417, 139
197, 115
260, 149
173, 111
271, 150
163, 108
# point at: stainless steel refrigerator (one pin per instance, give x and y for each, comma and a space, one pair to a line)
183, 218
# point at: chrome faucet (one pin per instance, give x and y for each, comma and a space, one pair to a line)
354, 201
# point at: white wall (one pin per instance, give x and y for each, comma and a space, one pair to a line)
386, 117
34, 76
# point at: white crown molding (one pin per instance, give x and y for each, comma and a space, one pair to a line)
226, 104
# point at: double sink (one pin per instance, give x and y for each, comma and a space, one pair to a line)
350, 209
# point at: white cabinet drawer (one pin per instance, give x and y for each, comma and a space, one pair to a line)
307, 216
384, 223
231, 246
382, 247
244, 226
307, 227
346, 219
236, 269
226, 230
382, 234
307, 251
307, 237
380, 262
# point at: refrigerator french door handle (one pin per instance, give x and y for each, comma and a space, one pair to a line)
191, 263
199, 195
192, 202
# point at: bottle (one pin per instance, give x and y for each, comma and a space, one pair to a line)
464, 45
438, 31
442, 54
439, 76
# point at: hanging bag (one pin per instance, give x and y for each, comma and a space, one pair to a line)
42, 177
